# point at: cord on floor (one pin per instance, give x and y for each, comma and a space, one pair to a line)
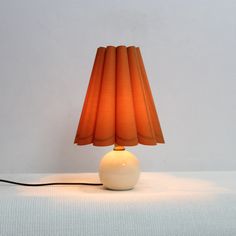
47, 184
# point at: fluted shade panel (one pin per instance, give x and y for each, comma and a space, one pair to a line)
119, 107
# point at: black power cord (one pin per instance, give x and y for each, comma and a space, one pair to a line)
47, 184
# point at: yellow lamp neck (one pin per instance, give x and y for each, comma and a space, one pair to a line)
118, 148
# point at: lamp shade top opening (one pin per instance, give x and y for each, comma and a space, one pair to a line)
119, 107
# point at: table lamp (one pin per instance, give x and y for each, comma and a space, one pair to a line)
119, 110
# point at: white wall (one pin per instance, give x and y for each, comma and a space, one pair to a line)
46, 55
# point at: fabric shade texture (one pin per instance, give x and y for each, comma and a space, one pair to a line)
119, 107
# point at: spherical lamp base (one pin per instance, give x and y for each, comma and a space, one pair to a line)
119, 170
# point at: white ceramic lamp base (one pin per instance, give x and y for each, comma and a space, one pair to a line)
119, 170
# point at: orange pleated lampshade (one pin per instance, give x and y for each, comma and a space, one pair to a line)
119, 107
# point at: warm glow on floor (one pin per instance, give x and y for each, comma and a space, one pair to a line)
166, 187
